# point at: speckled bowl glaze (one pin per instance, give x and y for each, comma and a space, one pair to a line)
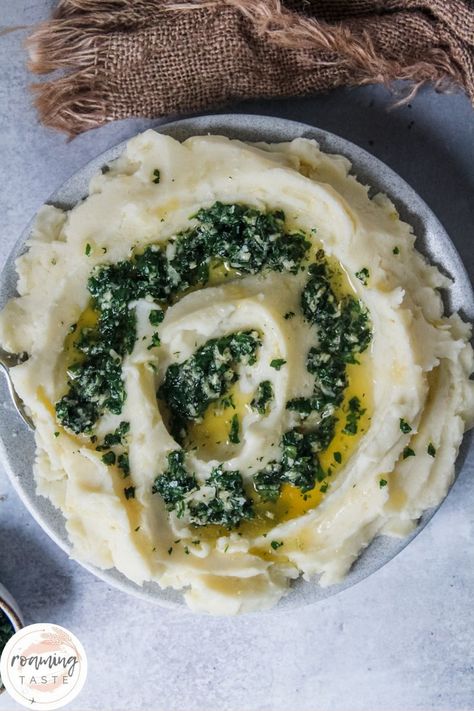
17, 442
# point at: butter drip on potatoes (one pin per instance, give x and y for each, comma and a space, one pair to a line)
231, 524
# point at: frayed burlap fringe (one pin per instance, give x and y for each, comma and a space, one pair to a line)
121, 58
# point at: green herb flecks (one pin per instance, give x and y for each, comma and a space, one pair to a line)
118, 440
343, 331
353, 416
226, 402
234, 437
155, 341
249, 240
263, 397
156, 316
175, 482
225, 502
109, 458
404, 426
190, 387
277, 363
229, 504
116, 437
123, 464
343, 325
431, 450
363, 275
129, 492
299, 465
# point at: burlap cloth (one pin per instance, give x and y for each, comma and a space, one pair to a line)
154, 58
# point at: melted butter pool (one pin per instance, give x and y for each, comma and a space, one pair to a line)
88, 319
210, 437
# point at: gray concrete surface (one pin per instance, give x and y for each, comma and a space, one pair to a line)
402, 639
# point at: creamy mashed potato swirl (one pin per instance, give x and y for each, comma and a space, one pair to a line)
193, 494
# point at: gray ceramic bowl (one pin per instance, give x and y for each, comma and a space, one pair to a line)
17, 444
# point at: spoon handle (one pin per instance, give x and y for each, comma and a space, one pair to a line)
7, 361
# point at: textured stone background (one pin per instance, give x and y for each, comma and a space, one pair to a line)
400, 640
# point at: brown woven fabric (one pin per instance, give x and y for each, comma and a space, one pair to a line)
154, 58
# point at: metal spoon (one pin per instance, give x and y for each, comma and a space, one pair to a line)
7, 361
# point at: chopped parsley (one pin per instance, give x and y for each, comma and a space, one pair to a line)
123, 464
363, 275
225, 503
109, 458
156, 176
234, 430
396, 250
431, 450
263, 397
277, 363
288, 315
404, 426
249, 240
343, 331
227, 401
156, 316
408, 452
276, 544
116, 437
129, 492
189, 387
155, 341
229, 504
87, 250
382, 483
343, 325
299, 465
56, 434
175, 482
352, 419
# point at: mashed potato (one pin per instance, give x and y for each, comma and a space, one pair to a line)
239, 368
